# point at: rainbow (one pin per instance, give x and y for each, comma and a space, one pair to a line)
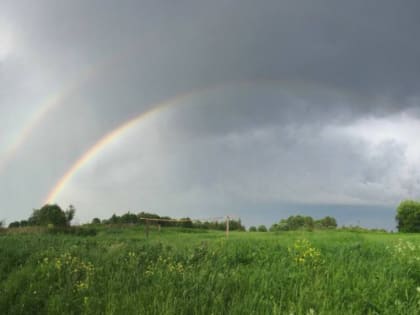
56, 100
46, 107
109, 138
154, 109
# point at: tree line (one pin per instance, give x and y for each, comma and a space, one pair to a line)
54, 216
166, 221
407, 217
298, 222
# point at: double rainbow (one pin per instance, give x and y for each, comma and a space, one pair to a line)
155, 109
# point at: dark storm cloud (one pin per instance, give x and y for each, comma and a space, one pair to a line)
287, 68
368, 47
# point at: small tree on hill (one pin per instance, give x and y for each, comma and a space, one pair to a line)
129, 218
408, 216
96, 221
49, 214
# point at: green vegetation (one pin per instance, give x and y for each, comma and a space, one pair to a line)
262, 228
48, 215
54, 216
302, 266
408, 216
196, 271
299, 222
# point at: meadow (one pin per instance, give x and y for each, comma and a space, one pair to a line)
190, 271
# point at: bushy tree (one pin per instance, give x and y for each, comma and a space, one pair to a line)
17, 224
14, 224
129, 218
408, 216
326, 223
295, 223
236, 225
253, 229
186, 223
49, 214
262, 228
283, 225
114, 219
96, 221
303, 222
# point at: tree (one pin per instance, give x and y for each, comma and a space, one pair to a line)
252, 229
235, 225
408, 216
327, 223
70, 214
298, 222
262, 228
186, 223
114, 219
309, 223
96, 221
283, 225
15, 224
129, 218
49, 214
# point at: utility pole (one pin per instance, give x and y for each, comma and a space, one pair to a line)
227, 226
147, 228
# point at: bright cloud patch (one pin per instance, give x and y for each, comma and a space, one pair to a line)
7, 41
392, 152
401, 129
156, 166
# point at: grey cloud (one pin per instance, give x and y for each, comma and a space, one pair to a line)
297, 164
351, 60
369, 48
387, 159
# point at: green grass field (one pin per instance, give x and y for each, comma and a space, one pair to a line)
177, 271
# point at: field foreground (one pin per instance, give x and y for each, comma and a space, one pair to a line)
178, 271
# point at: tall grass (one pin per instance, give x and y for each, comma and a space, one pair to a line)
173, 272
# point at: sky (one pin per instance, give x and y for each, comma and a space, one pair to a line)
254, 109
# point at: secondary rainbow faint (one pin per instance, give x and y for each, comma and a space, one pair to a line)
56, 99
46, 107
110, 137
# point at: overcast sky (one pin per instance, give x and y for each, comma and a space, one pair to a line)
308, 107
